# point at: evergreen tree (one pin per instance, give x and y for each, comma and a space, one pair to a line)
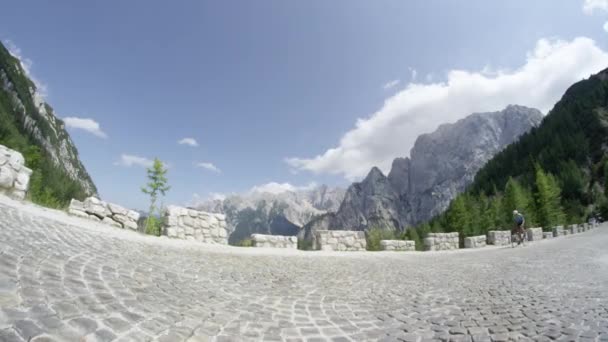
572, 179
156, 186
496, 209
547, 199
515, 198
412, 234
459, 218
606, 178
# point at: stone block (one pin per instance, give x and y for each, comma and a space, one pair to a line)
534, 234
397, 245
116, 209
441, 241
340, 240
194, 225
274, 241
558, 231
499, 237
475, 241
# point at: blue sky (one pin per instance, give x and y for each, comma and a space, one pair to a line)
285, 91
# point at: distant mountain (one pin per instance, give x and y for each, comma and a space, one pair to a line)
281, 213
441, 165
557, 173
28, 125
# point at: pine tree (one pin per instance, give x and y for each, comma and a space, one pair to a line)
515, 198
459, 218
412, 234
547, 199
157, 185
496, 209
606, 178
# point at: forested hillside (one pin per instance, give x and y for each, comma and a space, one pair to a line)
28, 125
555, 174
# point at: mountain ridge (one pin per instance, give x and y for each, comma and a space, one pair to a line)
441, 164
30, 126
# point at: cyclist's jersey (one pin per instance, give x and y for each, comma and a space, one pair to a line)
519, 219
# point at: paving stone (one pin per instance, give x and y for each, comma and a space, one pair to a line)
83, 325
63, 282
27, 329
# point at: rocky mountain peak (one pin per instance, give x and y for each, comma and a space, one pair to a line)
441, 164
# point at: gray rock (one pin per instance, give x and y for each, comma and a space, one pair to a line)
7, 177
441, 165
108, 220
272, 213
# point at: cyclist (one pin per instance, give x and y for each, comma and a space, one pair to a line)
518, 230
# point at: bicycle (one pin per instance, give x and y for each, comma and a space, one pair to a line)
518, 234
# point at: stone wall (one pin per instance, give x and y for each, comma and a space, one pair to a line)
190, 224
534, 234
274, 241
547, 235
397, 245
339, 240
441, 241
499, 237
14, 176
108, 213
558, 231
571, 229
475, 241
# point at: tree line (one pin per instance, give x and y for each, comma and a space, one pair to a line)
557, 173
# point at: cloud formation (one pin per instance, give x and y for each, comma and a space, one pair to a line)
129, 160
208, 166
550, 68
413, 75
391, 84
85, 124
591, 6
277, 188
188, 141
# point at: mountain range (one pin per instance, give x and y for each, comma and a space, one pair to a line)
276, 213
440, 166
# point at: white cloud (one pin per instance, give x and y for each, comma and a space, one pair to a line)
85, 124
414, 74
188, 141
277, 188
590, 6
606, 26
26, 65
391, 84
390, 132
208, 166
131, 160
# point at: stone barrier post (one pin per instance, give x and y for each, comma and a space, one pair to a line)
14, 176
475, 241
340, 240
397, 245
499, 237
274, 241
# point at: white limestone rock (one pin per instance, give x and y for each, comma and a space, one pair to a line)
7, 178
108, 220
116, 209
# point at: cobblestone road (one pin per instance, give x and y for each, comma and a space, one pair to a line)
73, 281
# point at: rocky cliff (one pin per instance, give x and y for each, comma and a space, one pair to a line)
27, 120
283, 213
441, 165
